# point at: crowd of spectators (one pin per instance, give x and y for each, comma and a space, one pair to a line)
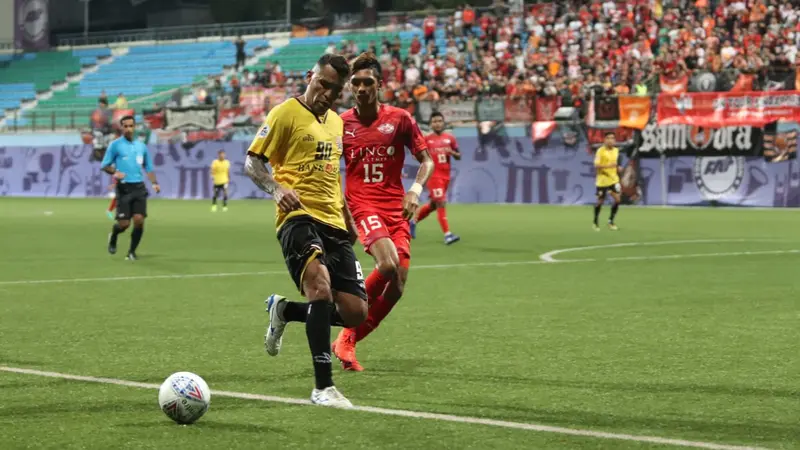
573, 48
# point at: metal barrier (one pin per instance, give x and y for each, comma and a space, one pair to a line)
46, 121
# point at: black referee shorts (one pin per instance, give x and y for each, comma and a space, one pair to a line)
131, 200
304, 239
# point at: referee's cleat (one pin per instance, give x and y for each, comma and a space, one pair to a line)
214, 208
595, 227
131, 256
112, 244
110, 214
612, 227
274, 337
224, 209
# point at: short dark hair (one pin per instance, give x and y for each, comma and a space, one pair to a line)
436, 114
128, 117
367, 60
610, 133
338, 62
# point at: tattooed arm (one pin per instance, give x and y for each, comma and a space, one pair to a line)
256, 169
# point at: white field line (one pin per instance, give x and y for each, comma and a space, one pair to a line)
420, 267
406, 413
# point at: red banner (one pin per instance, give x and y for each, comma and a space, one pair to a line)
727, 109
227, 117
519, 110
546, 108
674, 85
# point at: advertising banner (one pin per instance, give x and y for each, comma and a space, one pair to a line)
495, 168
724, 109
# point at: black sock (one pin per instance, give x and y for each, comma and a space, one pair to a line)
214, 199
298, 312
336, 318
136, 236
613, 213
318, 332
225, 201
115, 232
597, 212
295, 312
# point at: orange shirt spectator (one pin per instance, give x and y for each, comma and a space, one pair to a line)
758, 12
622, 89
468, 16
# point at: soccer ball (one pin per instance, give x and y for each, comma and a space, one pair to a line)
184, 397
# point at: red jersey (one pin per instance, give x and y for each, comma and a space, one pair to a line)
374, 155
439, 146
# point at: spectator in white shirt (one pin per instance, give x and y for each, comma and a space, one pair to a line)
412, 76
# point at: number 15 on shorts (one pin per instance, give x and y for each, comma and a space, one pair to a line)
370, 224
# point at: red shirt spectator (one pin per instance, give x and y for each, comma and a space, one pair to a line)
429, 26
415, 46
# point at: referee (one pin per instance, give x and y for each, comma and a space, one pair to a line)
124, 160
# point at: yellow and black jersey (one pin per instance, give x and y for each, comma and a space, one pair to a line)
304, 151
604, 157
220, 171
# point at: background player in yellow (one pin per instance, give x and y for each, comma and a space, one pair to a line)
221, 176
302, 142
606, 162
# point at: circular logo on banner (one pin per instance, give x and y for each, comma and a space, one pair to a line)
32, 19
718, 176
700, 138
706, 82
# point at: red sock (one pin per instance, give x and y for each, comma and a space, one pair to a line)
443, 220
378, 311
379, 307
424, 211
113, 204
375, 285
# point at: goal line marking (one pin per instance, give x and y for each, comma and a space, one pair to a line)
405, 413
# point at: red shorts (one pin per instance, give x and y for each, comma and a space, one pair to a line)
374, 223
437, 189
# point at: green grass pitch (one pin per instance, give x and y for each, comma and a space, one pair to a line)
691, 334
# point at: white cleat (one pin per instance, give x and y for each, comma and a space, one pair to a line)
272, 340
331, 397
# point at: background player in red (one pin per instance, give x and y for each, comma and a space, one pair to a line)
441, 146
113, 204
375, 138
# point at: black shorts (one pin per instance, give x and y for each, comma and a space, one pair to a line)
131, 200
219, 189
304, 239
602, 191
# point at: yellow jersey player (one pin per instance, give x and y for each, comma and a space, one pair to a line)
221, 176
606, 162
301, 140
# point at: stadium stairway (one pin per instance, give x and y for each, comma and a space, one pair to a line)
140, 73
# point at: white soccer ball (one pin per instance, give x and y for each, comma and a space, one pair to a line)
184, 397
